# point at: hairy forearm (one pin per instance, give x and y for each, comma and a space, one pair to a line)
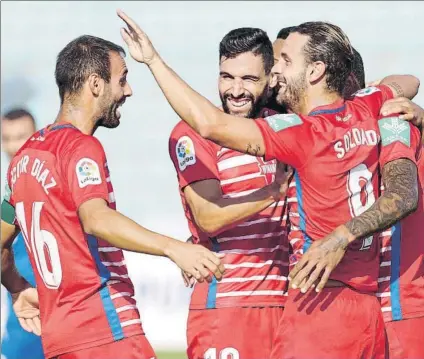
402, 85
399, 199
10, 277
214, 217
122, 232
193, 108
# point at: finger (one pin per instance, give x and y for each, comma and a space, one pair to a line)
37, 325
185, 278
213, 268
24, 325
196, 274
301, 275
130, 22
302, 262
407, 117
204, 272
220, 255
324, 279
191, 282
126, 36
312, 279
30, 323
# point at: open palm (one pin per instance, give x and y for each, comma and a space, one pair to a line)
139, 45
26, 307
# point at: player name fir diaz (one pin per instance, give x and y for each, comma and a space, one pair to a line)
34, 167
353, 138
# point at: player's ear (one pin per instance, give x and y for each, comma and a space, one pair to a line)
96, 84
315, 71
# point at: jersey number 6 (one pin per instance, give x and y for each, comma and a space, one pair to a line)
41, 242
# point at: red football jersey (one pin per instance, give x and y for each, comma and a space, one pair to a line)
256, 249
335, 151
401, 279
86, 296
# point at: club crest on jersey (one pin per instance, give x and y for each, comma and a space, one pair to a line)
283, 121
88, 172
366, 243
186, 155
267, 169
367, 91
7, 192
394, 129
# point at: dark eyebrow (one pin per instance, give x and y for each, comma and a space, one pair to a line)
125, 72
283, 54
222, 73
250, 77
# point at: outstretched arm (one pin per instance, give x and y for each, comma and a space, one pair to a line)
233, 132
402, 85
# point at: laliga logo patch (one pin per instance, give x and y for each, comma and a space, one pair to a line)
87, 172
186, 155
367, 91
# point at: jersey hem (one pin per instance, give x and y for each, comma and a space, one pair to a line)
90, 344
235, 304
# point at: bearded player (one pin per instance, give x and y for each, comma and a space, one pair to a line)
340, 137
234, 204
60, 196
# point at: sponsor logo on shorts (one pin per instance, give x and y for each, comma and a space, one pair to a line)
186, 155
88, 172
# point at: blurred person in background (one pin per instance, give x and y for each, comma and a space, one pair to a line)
17, 126
235, 204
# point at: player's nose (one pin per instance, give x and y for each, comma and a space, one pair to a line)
237, 90
128, 90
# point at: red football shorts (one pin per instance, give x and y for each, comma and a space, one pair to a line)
335, 323
135, 347
406, 338
222, 333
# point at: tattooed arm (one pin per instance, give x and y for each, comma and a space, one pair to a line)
402, 85
400, 198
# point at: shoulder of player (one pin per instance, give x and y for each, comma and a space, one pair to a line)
76, 139
182, 129
279, 122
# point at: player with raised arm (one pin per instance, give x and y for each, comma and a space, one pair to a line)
339, 139
234, 204
60, 196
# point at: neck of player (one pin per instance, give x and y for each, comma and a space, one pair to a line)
79, 115
317, 98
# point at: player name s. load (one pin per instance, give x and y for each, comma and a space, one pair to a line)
353, 138
41, 174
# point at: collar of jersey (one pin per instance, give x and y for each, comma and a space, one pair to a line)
56, 126
334, 107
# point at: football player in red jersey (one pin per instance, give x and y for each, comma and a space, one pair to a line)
234, 205
339, 139
60, 196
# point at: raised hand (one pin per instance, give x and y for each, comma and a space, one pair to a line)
139, 45
26, 307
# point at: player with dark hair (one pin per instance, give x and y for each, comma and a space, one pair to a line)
17, 125
60, 196
234, 204
340, 139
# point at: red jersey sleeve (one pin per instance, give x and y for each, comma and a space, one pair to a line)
373, 98
194, 158
287, 137
85, 170
399, 139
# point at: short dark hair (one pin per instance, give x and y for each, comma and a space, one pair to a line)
329, 44
17, 113
248, 39
285, 32
79, 59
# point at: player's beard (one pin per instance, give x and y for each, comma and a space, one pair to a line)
109, 117
256, 107
294, 92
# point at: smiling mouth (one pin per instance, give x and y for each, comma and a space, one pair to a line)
238, 102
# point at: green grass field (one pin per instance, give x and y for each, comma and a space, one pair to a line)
171, 355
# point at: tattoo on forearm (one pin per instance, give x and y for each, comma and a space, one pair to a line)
253, 151
397, 88
399, 199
